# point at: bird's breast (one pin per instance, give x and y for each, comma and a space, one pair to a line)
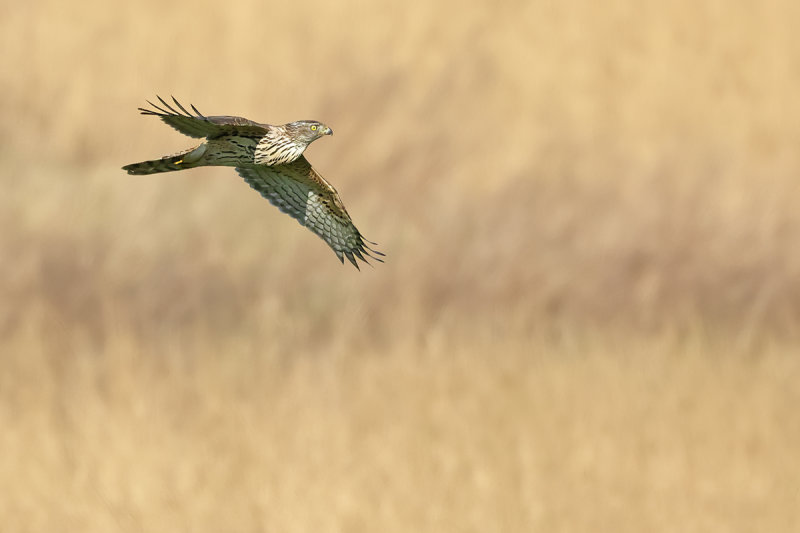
277, 150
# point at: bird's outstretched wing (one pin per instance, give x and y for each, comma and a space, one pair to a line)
196, 125
298, 190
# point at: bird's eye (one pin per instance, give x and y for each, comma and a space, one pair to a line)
313, 128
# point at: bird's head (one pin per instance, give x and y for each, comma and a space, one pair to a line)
308, 130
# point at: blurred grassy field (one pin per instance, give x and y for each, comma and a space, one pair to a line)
588, 319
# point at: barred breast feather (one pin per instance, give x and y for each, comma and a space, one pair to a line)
277, 148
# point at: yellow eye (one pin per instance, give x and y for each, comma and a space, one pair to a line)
313, 128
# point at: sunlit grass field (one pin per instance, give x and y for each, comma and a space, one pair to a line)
589, 316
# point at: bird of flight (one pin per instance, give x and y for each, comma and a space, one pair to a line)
270, 159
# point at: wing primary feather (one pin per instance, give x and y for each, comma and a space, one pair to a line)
378, 259
163, 111
365, 240
340, 255
159, 107
177, 103
352, 259
374, 251
168, 106
199, 114
358, 254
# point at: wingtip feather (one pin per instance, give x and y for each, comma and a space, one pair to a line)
199, 114
352, 259
177, 103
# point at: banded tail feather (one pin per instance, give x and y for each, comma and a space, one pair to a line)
169, 163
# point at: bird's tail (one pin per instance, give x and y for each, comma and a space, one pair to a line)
169, 163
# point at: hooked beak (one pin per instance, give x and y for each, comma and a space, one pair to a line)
327, 131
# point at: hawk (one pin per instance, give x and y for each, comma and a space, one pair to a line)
270, 159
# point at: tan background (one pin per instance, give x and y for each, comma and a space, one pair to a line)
588, 317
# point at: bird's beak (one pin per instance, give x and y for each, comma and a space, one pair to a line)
327, 131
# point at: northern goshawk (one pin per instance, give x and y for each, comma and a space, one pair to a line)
270, 159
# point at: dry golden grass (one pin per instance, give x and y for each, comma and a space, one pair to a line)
589, 315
